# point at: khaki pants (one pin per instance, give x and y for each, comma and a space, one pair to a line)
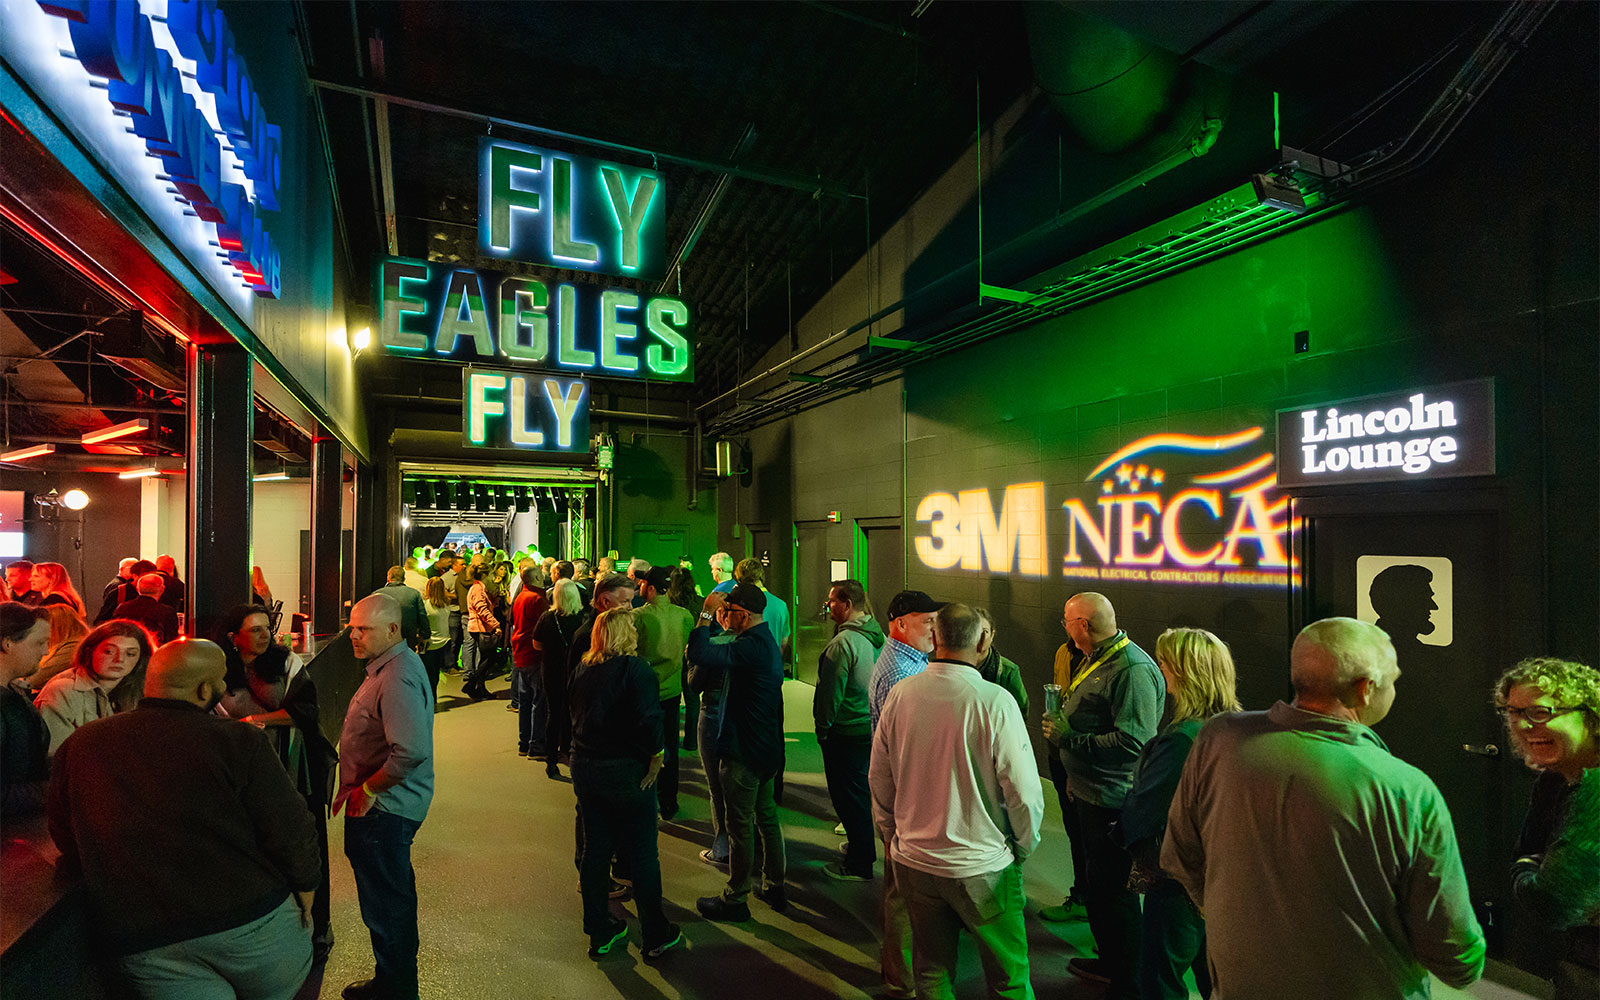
989, 907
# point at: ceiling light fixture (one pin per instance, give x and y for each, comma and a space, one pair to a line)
32, 451
123, 429
139, 473
360, 341
272, 477
74, 500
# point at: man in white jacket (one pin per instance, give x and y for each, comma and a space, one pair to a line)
956, 795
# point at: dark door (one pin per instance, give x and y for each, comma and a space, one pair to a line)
884, 561
812, 626
659, 544
1427, 577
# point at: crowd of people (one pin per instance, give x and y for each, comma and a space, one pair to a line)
1283, 852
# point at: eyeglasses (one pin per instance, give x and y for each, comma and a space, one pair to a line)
1068, 621
1537, 714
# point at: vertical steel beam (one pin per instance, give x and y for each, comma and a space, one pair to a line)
327, 489
221, 422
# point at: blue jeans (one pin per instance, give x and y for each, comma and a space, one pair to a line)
1173, 941
618, 817
379, 848
709, 718
265, 959
532, 715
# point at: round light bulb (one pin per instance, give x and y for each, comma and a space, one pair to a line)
74, 499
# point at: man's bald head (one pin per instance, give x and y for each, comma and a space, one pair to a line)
374, 625
1089, 618
1347, 662
192, 670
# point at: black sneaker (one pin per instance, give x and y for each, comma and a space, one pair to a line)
774, 896
836, 870
1092, 969
674, 938
602, 943
718, 908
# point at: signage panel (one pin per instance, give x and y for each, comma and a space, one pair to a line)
443, 312
1168, 508
161, 95
523, 411
1435, 433
567, 211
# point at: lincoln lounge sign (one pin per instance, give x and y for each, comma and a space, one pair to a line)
1429, 433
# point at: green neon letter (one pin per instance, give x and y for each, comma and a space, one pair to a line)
505, 198
393, 276
629, 212
521, 434
563, 246
613, 330
463, 315
666, 319
522, 307
479, 406
564, 406
567, 352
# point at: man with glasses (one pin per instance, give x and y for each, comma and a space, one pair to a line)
1111, 708
385, 787
1326, 867
749, 746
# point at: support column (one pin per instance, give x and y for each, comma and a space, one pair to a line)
327, 487
372, 554
221, 425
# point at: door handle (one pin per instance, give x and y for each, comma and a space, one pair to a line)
1487, 750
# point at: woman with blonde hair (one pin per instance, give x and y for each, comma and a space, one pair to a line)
1200, 684
67, 629
107, 677
51, 580
617, 751
1552, 713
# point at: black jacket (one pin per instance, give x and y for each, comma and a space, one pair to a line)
182, 823
616, 710
159, 618
752, 719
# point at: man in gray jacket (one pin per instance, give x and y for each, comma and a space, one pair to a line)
1326, 867
1112, 707
844, 724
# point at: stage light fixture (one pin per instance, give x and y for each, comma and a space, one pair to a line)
144, 473
115, 431
74, 499
32, 451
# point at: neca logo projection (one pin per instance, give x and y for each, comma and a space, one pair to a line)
1223, 527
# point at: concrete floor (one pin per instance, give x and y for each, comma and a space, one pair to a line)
500, 915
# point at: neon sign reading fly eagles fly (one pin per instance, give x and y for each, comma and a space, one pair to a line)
115, 42
1219, 527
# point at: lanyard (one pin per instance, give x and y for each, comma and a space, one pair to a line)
1091, 668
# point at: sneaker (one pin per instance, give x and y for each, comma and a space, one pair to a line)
602, 943
711, 859
836, 870
551, 770
1092, 969
674, 938
718, 908
513, 708
774, 896
1071, 908
839, 830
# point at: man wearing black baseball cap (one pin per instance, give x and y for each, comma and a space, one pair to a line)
749, 745
904, 654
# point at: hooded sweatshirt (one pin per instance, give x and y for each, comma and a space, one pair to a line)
840, 706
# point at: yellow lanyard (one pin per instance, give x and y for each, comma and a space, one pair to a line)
1091, 668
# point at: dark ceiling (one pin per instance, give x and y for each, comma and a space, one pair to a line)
861, 106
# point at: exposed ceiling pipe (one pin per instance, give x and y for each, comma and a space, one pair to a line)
703, 216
